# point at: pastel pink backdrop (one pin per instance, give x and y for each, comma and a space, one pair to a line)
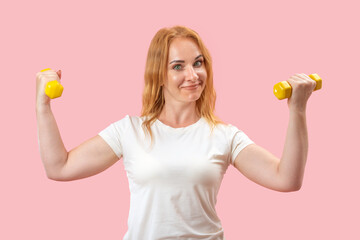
101, 47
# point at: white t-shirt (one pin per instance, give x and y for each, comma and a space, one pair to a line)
174, 183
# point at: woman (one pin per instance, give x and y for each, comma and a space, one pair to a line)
176, 153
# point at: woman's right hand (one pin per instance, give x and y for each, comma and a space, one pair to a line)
42, 78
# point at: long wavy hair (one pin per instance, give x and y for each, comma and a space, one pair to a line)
155, 74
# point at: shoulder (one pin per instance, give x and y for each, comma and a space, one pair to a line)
129, 120
231, 132
218, 130
226, 128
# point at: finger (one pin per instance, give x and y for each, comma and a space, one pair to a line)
309, 80
296, 78
305, 75
302, 76
59, 74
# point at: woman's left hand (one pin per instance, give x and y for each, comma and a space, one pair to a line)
302, 87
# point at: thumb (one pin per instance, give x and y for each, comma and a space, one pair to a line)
59, 73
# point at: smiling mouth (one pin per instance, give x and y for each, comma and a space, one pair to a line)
195, 86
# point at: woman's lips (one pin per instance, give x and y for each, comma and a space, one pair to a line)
192, 87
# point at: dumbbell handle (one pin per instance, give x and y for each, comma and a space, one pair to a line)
283, 89
53, 88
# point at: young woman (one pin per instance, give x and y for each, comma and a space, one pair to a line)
176, 153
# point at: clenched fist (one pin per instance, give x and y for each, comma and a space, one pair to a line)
42, 78
302, 87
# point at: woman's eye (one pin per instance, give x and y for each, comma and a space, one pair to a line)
198, 63
177, 67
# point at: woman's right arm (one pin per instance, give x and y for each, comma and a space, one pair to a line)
90, 158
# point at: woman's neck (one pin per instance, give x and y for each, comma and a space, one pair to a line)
179, 115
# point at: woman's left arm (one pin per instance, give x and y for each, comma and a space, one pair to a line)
285, 174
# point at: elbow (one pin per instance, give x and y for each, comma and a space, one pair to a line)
290, 184
292, 188
57, 178
54, 175
297, 188
54, 172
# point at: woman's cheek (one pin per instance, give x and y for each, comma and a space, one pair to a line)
202, 74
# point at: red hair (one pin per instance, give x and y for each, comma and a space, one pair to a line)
156, 71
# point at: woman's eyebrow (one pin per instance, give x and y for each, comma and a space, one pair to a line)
182, 61
199, 56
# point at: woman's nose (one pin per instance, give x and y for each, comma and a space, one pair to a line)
191, 74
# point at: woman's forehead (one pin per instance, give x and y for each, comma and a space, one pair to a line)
182, 48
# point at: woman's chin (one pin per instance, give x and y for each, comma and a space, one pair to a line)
192, 97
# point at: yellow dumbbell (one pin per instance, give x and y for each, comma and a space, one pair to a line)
282, 89
53, 88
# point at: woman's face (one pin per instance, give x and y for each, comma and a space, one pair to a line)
186, 73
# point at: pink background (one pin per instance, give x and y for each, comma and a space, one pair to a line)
101, 49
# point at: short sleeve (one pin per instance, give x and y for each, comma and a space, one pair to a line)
238, 141
114, 133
